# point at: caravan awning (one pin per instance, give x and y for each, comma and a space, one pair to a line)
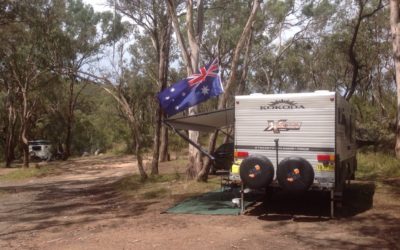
204, 122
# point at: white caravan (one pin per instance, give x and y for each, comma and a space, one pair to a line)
298, 141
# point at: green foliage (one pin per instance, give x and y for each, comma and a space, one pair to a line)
375, 122
279, 9
377, 166
297, 46
322, 8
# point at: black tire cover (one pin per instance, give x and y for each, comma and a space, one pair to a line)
256, 171
295, 174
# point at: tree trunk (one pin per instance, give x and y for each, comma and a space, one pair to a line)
239, 47
195, 156
164, 155
25, 150
228, 136
156, 143
133, 124
246, 62
191, 62
395, 29
139, 158
194, 38
24, 145
24, 126
10, 136
67, 152
203, 174
163, 66
70, 118
137, 141
351, 52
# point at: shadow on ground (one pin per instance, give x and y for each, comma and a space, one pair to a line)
314, 205
64, 203
379, 228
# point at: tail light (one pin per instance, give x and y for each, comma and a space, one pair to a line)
325, 158
241, 154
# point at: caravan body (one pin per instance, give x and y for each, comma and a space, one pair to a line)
310, 134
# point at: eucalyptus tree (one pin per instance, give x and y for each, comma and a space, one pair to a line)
344, 49
190, 53
81, 37
8, 116
25, 66
395, 28
152, 18
133, 93
232, 78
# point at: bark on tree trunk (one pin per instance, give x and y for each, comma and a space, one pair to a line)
24, 145
10, 147
139, 157
164, 155
203, 174
191, 62
163, 66
194, 38
24, 126
246, 62
228, 136
156, 143
195, 157
10, 137
25, 149
70, 117
67, 152
395, 29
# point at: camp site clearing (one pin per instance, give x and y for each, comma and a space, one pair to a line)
84, 203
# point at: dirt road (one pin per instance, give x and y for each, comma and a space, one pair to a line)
81, 209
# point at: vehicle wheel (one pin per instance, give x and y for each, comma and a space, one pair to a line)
256, 171
295, 174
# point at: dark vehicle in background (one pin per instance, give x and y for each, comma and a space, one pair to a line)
40, 150
223, 157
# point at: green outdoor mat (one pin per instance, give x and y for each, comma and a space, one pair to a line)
217, 202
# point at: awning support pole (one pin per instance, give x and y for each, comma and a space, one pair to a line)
187, 139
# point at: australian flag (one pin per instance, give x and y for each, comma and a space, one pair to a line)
191, 91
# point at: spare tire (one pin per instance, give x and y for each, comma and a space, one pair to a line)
256, 171
295, 174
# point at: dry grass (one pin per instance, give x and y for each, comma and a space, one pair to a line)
377, 166
164, 186
26, 173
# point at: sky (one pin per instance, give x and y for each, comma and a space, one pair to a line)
105, 63
98, 5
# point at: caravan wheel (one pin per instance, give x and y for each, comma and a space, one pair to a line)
295, 174
256, 171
